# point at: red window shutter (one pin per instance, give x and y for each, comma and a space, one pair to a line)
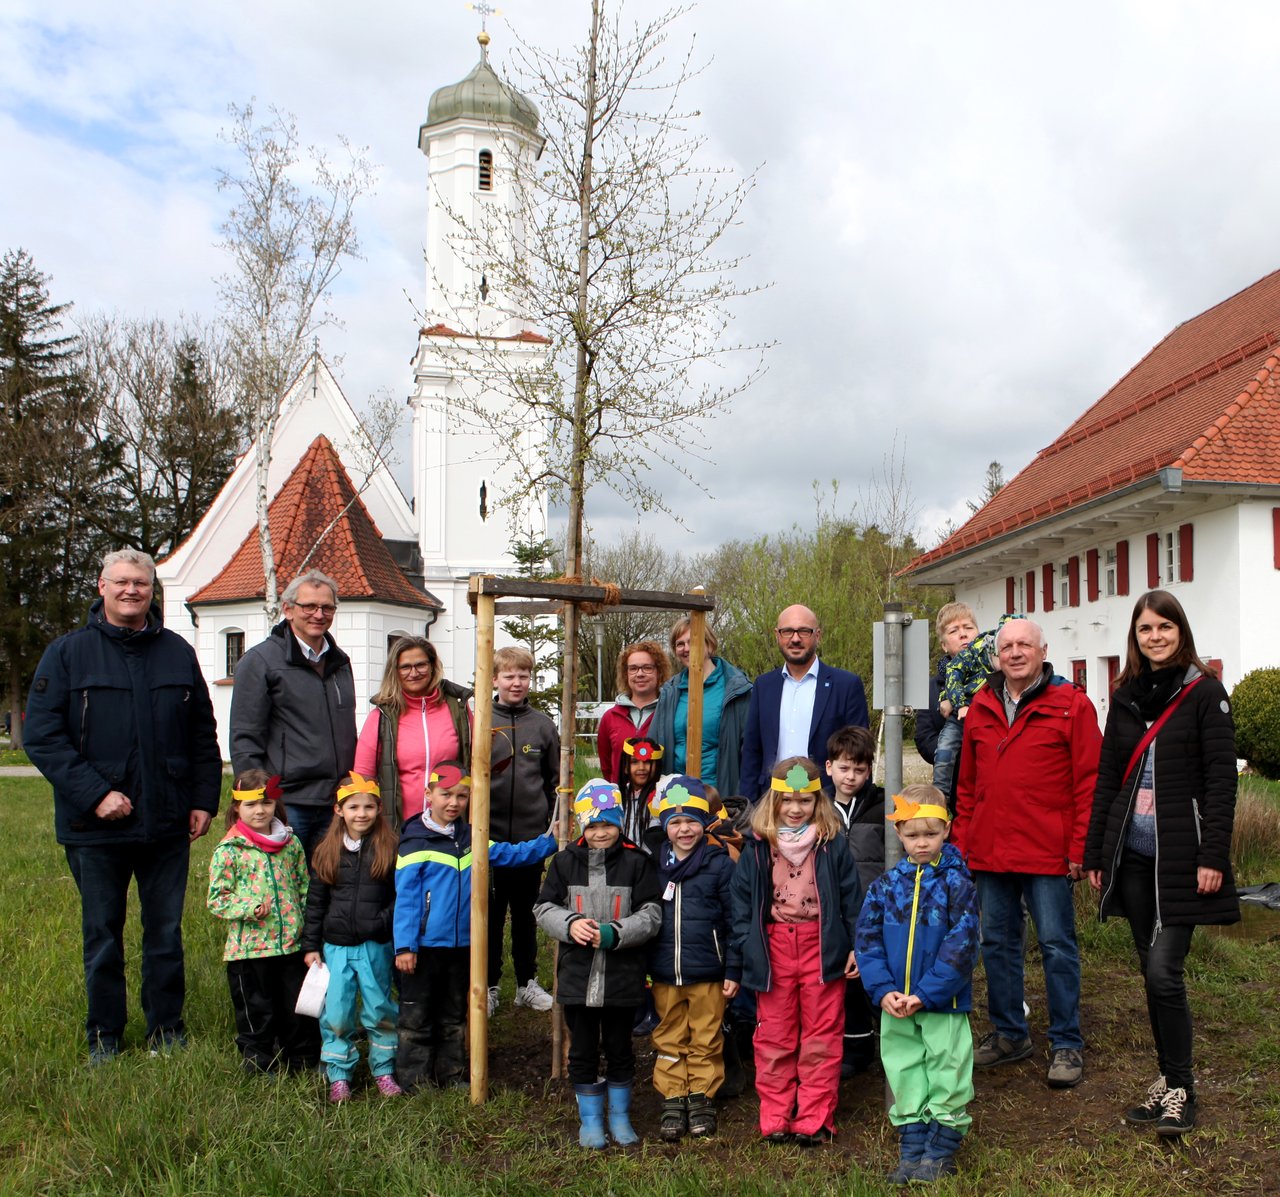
1073, 581
1031, 579
1091, 574
1153, 560
1047, 573
1186, 542
1122, 565
1010, 588
1275, 537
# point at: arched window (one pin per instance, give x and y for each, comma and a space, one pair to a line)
234, 641
486, 170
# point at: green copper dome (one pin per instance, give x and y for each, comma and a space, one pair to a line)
482, 96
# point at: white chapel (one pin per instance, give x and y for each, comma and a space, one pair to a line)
402, 564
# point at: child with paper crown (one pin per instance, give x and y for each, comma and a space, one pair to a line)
687, 960
432, 928
795, 905
638, 768
258, 884
600, 900
348, 927
917, 943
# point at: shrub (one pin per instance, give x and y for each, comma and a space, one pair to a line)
1255, 844
1256, 706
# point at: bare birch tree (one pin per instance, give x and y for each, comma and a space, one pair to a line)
287, 245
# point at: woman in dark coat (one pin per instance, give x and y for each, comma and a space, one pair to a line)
1159, 845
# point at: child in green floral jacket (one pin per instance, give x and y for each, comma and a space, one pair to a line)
258, 883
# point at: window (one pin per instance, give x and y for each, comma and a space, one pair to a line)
1080, 674
235, 650
1170, 557
1109, 572
486, 170
1064, 584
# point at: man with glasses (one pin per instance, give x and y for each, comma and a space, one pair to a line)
796, 709
119, 720
293, 709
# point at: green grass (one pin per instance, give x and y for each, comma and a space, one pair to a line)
193, 1125
13, 756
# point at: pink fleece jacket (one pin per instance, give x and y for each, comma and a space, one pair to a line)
424, 738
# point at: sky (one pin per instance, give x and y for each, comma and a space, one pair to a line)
970, 219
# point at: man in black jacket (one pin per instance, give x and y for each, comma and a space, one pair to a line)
293, 709
119, 720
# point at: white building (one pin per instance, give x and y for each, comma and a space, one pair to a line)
1171, 480
213, 583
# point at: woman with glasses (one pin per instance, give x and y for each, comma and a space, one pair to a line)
726, 695
418, 720
642, 669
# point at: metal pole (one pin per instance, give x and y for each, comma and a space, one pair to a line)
894, 619
481, 749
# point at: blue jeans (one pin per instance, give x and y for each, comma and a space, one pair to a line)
1000, 897
945, 754
309, 824
102, 873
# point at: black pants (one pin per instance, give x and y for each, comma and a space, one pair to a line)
592, 1028
859, 1027
1162, 968
433, 1015
263, 993
516, 890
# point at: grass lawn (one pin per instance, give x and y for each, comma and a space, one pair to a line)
192, 1124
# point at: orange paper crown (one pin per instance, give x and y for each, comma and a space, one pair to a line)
355, 784
904, 810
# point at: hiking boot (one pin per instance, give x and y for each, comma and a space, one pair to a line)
388, 1086
493, 999
702, 1115
675, 1119
532, 996
1179, 1112
1066, 1069
994, 1049
339, 1092
1150, 1111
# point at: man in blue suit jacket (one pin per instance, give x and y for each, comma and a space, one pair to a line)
795, 710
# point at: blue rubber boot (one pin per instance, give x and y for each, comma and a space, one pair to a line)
620, 1116
912, 1137
939, 1153
591, 1115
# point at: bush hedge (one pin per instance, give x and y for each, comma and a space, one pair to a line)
1255, 705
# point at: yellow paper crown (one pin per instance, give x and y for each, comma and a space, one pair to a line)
271, 790
797, 781
642, 749
904, 809
355, 784
448, 776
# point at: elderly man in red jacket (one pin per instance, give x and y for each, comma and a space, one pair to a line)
1023, 798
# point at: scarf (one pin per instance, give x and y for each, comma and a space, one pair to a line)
674, 871
1153, 688
272, 842
794, 844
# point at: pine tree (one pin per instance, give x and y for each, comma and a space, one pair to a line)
543, 636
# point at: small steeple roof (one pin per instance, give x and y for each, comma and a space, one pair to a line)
482, 96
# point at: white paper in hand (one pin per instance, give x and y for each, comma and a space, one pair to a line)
314, 987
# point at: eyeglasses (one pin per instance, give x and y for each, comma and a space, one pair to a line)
415, 667
642, 669
129, 583
803, 633
326, 609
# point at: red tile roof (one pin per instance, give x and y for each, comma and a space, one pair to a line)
525, 335
352, 552
1204, 399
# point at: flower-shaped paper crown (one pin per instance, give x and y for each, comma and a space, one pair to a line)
797, 781
355, 784
903, 809
597, 801
271, 791
449, 776
684, 795
642, 749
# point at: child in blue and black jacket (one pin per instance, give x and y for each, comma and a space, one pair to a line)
432, 928
917, 943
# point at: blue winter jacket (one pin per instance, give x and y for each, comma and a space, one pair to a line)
839, 896
693, 944
113, 709
918, 933
433, 883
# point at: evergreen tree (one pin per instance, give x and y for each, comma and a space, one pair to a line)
542, 635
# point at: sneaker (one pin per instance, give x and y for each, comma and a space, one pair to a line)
994, 1049
339, 1092
1179, 1113
165, 1043
387, 1086
533, 996
675, 1119
1066, 1069
103, 1052
493, 999
1150, 1111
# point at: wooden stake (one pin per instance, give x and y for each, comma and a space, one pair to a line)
481, 752
697, 663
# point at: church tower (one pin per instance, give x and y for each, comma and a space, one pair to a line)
475, 130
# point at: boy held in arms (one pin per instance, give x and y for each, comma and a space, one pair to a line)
859, 802
917, 943
522, 799
957, 626
432, 927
